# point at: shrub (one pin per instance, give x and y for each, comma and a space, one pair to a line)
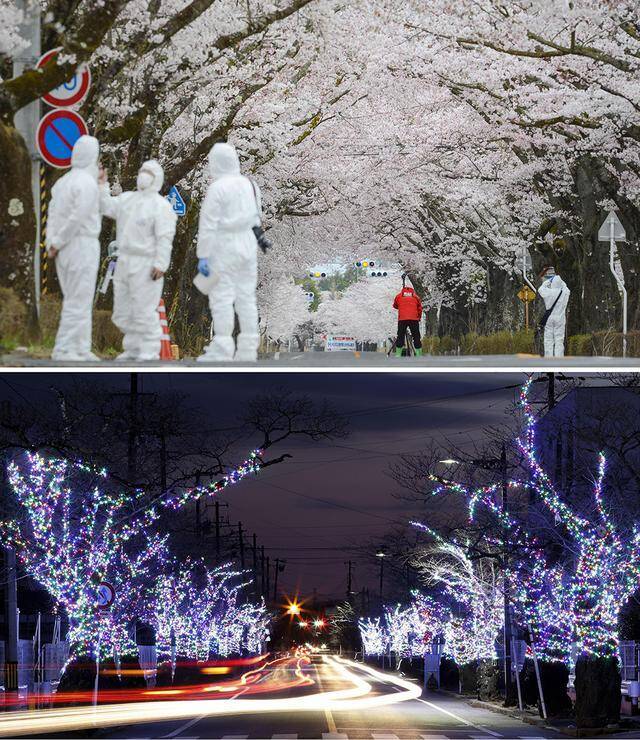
13, 316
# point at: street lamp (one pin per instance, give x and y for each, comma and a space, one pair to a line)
293, 608
449, 461
382, 555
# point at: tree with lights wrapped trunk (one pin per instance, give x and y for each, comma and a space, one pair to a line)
604, 577
578, 598
476, 586
74, 530
196, 613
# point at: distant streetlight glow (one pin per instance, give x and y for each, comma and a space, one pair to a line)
381, 554
449, 461
293, 608
317, 623
303, 624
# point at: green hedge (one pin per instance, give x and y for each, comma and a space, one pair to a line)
598, 344
500, 343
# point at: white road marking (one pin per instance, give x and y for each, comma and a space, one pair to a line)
384, 736
460, 719
334, 736
185, 726
285, 737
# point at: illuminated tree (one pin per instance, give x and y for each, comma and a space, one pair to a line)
195, 613
74, 531
374, 635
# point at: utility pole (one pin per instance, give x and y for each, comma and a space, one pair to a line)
217, 510
254, 549
381, 575
262, 568
348, 564
509, 698
241, 541
132, 472
551, 390
268, 576
11, 622
163, 461
275, 580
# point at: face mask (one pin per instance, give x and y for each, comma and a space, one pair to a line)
145, 180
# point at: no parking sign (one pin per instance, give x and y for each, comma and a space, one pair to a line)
57, 132
70, 93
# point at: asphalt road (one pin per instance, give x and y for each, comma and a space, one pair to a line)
354, 361
338, 700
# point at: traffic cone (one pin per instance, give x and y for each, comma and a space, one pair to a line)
165, 342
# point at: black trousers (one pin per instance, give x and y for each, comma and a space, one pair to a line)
414, 327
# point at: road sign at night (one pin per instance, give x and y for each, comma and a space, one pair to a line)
70, 93
57, 132
106, 595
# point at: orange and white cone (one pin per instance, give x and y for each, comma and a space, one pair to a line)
165, 342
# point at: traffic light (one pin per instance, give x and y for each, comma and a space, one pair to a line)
317, 275
365, 263
379, 274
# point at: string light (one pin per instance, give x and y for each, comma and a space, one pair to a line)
72, 535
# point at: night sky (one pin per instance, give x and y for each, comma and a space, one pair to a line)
389, 414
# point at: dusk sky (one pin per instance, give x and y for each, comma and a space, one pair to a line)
333, 497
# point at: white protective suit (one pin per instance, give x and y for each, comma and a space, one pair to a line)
555, 327
225, 238
73, 227
145, 227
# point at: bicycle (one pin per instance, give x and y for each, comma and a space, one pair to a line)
409, 349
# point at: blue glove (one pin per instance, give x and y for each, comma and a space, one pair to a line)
203, 267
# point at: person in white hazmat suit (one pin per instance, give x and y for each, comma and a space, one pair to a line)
555, 293
73, 228
227, 255
145, 227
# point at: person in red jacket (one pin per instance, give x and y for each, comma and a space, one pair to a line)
409, 308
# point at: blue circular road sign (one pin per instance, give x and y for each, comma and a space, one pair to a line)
57, 132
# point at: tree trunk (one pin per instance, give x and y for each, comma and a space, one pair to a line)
469, 679
598, 698
554, 676
17, 222
488, 678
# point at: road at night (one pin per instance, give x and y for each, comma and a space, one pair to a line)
325, 697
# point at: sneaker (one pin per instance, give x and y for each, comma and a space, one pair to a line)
399, 352
90, 357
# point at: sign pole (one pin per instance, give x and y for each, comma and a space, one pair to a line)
612, 247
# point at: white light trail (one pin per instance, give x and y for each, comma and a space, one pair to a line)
357, 697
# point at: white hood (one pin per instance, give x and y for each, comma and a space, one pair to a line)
85, 154
155, 168
223, 160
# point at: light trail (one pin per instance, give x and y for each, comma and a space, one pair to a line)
357, 697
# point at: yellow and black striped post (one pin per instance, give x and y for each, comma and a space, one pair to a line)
44, 275
11, 675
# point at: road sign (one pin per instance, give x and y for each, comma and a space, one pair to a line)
70, 93
105, 595
526, 295
57, 132
337, 344
619, 234
177, 203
